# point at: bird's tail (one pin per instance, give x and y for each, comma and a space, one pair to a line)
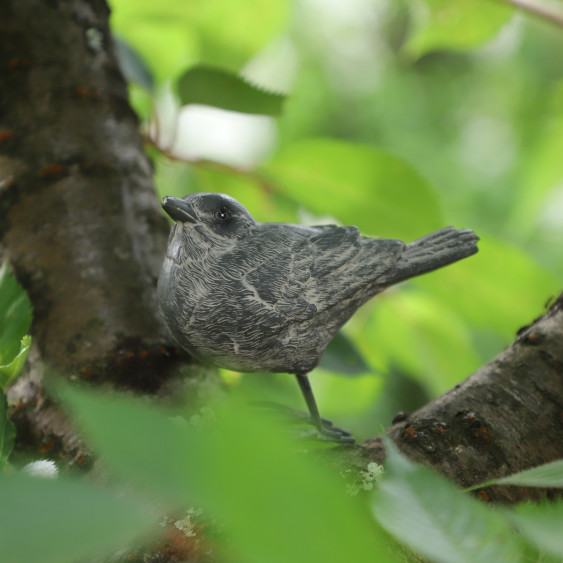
434, 251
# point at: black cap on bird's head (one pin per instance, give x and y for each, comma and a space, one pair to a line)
221, 213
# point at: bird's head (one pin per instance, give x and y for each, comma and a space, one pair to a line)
217, 214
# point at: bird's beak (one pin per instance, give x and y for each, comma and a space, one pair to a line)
178, 209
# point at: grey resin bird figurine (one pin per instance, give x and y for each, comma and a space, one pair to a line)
251, 296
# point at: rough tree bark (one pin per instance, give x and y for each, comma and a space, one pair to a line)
79, 218
506, 417
80, 223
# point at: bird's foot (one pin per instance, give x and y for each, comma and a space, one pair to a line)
331, 433
327, 433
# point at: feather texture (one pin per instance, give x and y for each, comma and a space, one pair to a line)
253, 296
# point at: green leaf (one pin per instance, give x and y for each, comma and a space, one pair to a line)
422, 336
342, 356
359, 185
546, 475
166, 44
147, 445
231, 32
541, 525
15, 320
15, 314
543, 171
484, 287
132, 64
170, 35
55, 520
240, 468
428, 513
284, 496
7, 432
226, 90
10, 371
459, 25
347, 403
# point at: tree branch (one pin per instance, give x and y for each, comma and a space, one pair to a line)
549, 11
506, 417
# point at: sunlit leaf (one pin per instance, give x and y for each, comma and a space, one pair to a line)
15, 320
231, 32
427, 513
7, 432
462, 24
359, 185
141, 100
170, 34
67, 520
227, 90
10, 371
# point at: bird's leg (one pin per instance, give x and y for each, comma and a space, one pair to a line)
326, 428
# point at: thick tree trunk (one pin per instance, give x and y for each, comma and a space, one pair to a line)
79, 218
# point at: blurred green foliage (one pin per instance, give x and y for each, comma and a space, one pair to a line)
351, 182
7, 432
15, 320
226, 90
429, 514
260, 494
67, 519
401, 117
201, 464
442, 24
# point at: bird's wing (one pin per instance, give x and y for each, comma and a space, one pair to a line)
312, 269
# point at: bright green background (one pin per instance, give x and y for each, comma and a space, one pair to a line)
401, 117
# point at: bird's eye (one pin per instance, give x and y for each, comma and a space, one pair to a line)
222, 215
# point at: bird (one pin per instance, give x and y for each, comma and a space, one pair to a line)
269, 297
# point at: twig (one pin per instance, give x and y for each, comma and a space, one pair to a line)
261, 180
549, 11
